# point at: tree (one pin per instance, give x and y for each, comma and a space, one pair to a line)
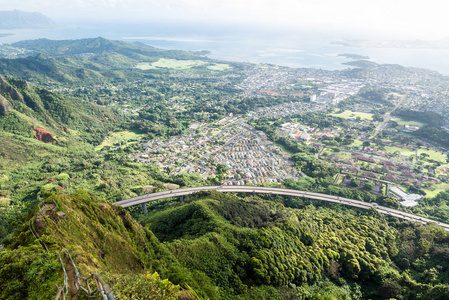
424, 155
221, 169
353, 267
369, 186
355, 182
390, 289
334, 269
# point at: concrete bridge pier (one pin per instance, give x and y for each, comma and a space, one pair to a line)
144, 208
181, 198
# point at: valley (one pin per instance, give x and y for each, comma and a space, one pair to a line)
86, 124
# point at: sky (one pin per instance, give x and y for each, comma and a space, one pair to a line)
406, 19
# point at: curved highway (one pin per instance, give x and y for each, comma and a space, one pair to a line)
278, 191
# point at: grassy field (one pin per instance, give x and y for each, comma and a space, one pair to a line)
219, 67
434, 155
31, 121
164, 63
356, 143
347, 114
344, 155
118, 137
431, 193
406, 152
404, 122
215, 132
437, 156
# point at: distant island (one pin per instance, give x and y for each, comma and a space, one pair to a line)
202, 52
360, 64
415, 44
17, 19
5, 34
353, 56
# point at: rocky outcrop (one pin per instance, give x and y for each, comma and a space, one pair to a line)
8, 91
39, 224
43, 135
5, 106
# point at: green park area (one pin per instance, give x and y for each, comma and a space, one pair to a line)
347, 114
401, 151
121, 138
405, 122
434, 155
431, 193
428, 154
164, 63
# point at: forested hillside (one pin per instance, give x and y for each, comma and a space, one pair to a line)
100, 46
37, 128
217, 246
85, 61
34, 106
48, 143
99, 238
311, 251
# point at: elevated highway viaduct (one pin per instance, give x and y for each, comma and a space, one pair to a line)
142, 200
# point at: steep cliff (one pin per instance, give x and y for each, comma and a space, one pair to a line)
5, 106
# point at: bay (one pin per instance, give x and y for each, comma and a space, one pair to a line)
294, 48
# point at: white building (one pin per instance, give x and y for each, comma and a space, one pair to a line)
305, 137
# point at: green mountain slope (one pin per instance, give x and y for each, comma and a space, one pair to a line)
44, 69
255, 249
37, 128
99, 238
84, 61
221, 246
98, 46
24, 108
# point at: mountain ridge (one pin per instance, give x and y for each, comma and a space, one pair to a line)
16, 19
98, 45
57, 112
96, 60
98, 236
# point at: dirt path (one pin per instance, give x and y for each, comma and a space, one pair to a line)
71, 277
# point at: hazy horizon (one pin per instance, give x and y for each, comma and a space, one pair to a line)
398, 19
300, 37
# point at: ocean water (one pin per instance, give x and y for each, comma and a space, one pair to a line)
293, 48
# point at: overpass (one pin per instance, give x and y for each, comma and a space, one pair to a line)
142, 200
